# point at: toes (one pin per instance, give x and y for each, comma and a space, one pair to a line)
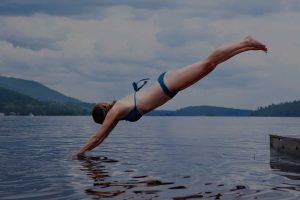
248, 38
265, 49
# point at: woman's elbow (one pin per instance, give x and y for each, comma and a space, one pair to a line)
95, 139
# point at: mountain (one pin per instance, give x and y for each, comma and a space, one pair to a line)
287, 109
15, 102
202, 111
211, 111
26, 96
35, 90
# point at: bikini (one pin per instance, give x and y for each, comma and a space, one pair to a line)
164, 87
134, 114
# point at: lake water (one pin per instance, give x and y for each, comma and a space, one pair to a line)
154, 158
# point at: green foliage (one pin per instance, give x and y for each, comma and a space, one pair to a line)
287, 109
211, 111
35, 90
202, 111
11, 101
33, 97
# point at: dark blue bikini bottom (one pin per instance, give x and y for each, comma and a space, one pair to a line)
164, 87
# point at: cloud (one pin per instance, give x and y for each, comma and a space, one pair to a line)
71, 8
220, 8
35, 33
95, 49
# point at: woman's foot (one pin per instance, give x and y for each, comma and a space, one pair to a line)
254, 43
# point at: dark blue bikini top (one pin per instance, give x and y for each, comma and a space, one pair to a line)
134, 115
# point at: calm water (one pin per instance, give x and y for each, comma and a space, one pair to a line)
155, 158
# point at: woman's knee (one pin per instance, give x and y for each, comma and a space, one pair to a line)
214, 57
210, 62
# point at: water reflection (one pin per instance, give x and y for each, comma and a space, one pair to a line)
288, 165
106, 185
95, 170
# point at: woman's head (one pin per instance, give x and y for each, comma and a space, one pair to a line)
100, 111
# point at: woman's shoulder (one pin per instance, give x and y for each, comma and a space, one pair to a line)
122, 107
125, 101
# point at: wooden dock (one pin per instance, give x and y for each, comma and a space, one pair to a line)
287, 145
285, 154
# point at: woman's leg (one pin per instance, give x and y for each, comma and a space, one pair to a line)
182, 78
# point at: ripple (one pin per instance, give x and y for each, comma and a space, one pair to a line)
156, 158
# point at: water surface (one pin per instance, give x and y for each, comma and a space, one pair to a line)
155, 158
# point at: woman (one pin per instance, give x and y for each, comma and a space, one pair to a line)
133, 106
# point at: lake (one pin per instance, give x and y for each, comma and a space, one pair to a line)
154, 158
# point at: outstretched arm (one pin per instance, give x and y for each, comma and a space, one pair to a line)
108, 125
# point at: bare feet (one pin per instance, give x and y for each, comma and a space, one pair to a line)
254, 43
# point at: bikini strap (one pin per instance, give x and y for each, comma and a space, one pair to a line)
136, 87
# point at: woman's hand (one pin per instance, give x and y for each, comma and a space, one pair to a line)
78, 155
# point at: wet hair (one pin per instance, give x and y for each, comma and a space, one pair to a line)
100, 111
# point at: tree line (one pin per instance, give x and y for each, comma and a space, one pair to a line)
12, 102
286, 109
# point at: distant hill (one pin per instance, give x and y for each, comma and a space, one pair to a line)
14, 102
211, 111
26, 96
35, 90
287, 109
202, 111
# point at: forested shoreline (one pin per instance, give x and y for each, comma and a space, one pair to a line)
27, 97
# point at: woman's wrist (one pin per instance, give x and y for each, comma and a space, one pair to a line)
81, 152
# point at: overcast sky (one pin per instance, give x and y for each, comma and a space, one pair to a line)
92, 50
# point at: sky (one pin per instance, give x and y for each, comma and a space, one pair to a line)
93, 50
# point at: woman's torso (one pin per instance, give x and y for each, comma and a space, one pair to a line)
147, 99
